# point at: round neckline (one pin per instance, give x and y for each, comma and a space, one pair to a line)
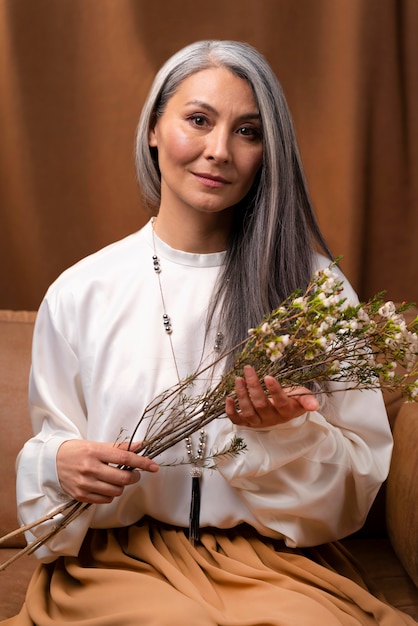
211, 259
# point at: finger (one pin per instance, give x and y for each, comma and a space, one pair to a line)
133, 446
232, 413
278, 395
247, 411
99, 493
118, 477
289, 401
230, 408
102, 479
256, 392
307, 400
127, 459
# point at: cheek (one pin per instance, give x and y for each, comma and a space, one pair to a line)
251, 166
178, 148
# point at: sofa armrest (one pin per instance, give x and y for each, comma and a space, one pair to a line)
402, 490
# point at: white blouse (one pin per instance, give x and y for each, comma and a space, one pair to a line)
101, 354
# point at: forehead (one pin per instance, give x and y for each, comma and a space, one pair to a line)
216, 85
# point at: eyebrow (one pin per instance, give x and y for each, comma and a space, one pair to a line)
209, 107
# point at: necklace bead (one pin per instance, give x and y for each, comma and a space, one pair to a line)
156, 262
195, 458
167, 324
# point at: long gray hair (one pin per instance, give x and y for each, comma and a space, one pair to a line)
275, 231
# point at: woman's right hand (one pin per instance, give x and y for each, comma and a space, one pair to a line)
88, 470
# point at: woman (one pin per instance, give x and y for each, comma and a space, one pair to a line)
234, 234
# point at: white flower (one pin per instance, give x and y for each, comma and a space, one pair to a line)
402, 326
274, 355
322, 342
343, 328
284, 339
330, 301
300, 303
276, 348
387, 309
362, 316
322, 328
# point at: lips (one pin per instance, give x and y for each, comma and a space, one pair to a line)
211, 180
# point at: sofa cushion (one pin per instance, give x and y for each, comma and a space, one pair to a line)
402, 490
16, 329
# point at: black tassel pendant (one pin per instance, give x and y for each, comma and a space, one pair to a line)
195, 472
194, 518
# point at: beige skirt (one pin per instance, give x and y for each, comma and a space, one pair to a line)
150, 574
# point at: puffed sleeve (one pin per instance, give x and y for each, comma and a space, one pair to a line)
314, 479
58, 413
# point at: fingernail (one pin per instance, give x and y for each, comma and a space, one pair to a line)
249, 372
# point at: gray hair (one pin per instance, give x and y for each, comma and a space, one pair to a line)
275, 229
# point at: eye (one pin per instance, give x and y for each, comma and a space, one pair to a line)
252, 132
198, 120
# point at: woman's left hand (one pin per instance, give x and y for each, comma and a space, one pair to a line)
256, 409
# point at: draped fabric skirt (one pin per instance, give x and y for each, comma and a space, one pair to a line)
150, 574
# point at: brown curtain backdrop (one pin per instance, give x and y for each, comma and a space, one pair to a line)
74, 75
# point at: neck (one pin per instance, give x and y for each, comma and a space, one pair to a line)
201, 234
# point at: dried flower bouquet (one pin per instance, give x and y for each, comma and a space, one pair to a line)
313, 338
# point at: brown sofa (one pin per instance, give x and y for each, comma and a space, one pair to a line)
386, 548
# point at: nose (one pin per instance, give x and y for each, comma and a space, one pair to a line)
218, 145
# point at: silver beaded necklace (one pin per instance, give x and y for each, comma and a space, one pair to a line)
196, 457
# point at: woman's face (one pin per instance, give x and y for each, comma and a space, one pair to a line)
209, 142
